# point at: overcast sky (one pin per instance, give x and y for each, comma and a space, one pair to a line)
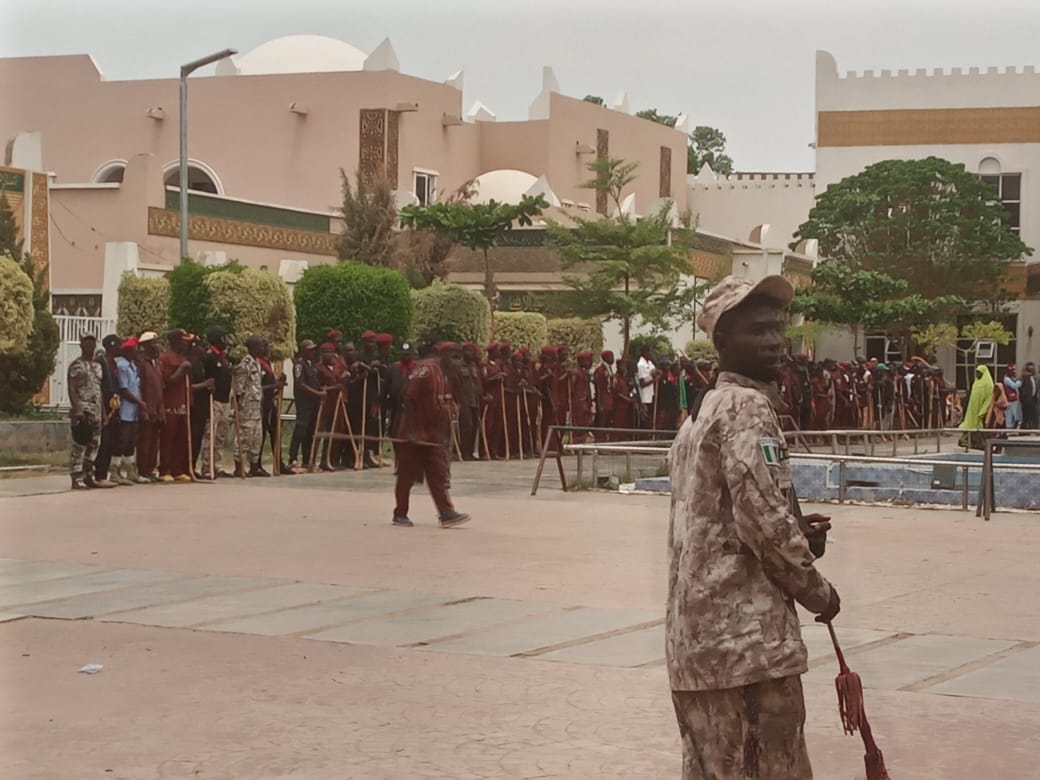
744, 66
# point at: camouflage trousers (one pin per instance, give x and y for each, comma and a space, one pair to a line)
216, 428
83, 455
250, 438
756, 731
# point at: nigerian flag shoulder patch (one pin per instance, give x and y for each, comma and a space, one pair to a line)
773, 450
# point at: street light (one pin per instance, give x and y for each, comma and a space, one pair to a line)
187, 70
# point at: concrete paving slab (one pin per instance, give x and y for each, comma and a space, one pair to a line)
1015, 678
547, 630
633, 648
438, 621
364, 603
229, 606
818, 641
15, 572
35, 592
120, 601
901, 663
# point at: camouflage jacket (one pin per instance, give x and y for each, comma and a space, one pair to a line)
84, 386
248, 382
737, 558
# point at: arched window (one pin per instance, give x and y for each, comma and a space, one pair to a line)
1008, 187
110, 172
201, 178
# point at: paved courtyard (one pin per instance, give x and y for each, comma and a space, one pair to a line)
282, 628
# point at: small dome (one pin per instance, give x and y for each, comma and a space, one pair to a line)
296, 54
504, 185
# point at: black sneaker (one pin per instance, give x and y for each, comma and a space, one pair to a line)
403, 522
258, 471
453, 518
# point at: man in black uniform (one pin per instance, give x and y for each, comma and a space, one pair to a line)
113, 346
307, 395
218, 368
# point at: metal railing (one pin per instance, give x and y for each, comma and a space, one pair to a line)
870, 437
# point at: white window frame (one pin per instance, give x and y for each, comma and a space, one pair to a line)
430, 177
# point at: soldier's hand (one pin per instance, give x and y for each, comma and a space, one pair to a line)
833, 608
210, 383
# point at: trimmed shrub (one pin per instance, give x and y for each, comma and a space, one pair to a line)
521, 329
659, 345
448, 312
143, 305
701, 348
577, 333
352, 297
190, 306
249, 302
16, 306
24, 371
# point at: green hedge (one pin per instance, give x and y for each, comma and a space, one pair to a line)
143, 305
447, 312
577, 333
352, 298
190, 305
16, 306
701, 348
24, 372
253, 303
521, 329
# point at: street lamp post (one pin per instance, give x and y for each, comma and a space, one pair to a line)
187, 70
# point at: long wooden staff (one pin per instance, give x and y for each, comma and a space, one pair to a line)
317, 431
530, 431
538, 426
456, 432
350, 431
210, 423
332, 432
657, 392
483, 432
359, 458
382, 433
187, 408
276, 467
238, 434
519, 430
505, 417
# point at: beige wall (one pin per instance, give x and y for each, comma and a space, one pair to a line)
734, 206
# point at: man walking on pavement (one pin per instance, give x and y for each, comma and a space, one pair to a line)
739, 557
249, 399
86, 410
423, 434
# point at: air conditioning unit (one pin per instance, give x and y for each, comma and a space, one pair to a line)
985, 350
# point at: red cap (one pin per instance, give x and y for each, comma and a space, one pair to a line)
606, 355
384, 338
447, 346
328, 346
132, 344
585, 353
332, 335
549, 350
368, 335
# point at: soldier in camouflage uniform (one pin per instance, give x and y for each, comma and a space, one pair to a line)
739, 557
249, 397
84, 386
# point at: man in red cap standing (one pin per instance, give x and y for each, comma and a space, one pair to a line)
581, 393
468, 394
128, 384
422, 435
603, 381
545, 382
494, 387
152, 412
174, 455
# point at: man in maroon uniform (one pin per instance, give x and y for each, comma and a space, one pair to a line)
153, 412
580, 393
494, 420
422, 436
174, 455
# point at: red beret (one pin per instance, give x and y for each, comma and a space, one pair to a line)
585, 353
368, 335
549, 350
384, 338
447, 346
518, 354
606, 355
332, 335
328, 346
132, 343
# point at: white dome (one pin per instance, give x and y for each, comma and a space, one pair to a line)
505, 185
297, 54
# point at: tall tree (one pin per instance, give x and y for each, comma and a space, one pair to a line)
593, 99
927, 222
10, 244
622, 268
662, 119
426, 249
370, 214
708, 145
477, 226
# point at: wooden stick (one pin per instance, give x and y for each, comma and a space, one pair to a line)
276, 467
359, 459
187, 407
317, 425
350, 430
210, 424
331, 432
456, 433
505, 418
483, 433
238, 434
530, 431
519, 431
382, 433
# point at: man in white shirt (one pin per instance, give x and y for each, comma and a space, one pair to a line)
646, 373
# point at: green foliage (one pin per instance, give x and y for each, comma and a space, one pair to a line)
190, 306
16, 306
708, 145
447, 312
576, 333
352, 298
807, 333
10, 244
662, 119
930, 223
143, 305
24, 372
986, 331
701, 349
370, 214
935, 335
659, 345
840, 295
253, 303
522, 329
593, 99
611, 175
622, 268
477, 226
